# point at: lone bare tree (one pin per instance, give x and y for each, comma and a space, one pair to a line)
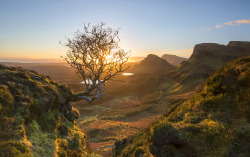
97, 57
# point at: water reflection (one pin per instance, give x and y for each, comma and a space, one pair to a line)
128, 74
90, 82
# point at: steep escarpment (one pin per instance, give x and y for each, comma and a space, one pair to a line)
152, 64
213, 122
36, 117
233, 50
206, 59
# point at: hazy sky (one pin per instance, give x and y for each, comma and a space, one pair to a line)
33, 29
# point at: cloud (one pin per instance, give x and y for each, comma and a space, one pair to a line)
233, 23
218, 26
205, 28
237, 22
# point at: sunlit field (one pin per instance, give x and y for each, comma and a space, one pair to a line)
92, 78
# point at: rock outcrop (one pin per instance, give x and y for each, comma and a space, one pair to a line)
207, 58
233, 50
36, 117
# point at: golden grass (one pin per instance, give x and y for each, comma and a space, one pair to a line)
111, 131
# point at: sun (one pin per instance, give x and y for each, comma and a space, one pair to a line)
108, 57
111, 58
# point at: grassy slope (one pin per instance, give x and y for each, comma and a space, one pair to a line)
214, 122
206, 59
36, 118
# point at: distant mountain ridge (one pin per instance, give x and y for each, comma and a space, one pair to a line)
152, 63
173, 59
207, 58
232, 50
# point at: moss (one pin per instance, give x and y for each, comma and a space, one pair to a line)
240, 145
49, 121
139, 151
6, 101
164, 133
73, 114
42, 142
31, 107
74, 142
62, 153
214, 122
12, 148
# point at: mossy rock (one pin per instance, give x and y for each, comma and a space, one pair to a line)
12, 148
32, 118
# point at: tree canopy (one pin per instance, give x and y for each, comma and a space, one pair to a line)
97, 57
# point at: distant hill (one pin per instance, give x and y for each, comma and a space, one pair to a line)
36, 117
135, 59
61, 73
173, 59
233, 50
213, 122
206, 59
152, 64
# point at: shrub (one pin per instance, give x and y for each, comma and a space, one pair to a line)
62, 153
240, 146
164, 133
12, 148
49, 121
74, 142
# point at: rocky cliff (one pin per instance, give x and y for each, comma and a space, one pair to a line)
207, 58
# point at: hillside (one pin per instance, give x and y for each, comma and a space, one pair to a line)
204, 61
213, 122
173, 59
152, 64
36, 118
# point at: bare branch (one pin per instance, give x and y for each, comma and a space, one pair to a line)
97, 57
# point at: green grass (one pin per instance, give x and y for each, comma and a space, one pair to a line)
214, 122
35, 115
42, 142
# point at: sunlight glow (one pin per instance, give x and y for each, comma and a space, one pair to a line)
109, 57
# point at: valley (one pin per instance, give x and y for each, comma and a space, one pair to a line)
133, 103
130, 102
125, 78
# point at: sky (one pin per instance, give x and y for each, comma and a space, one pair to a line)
33, 29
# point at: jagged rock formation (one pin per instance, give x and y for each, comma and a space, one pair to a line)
233, 50
152, 64
213, 122
173, 59
206, 58
36, 117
